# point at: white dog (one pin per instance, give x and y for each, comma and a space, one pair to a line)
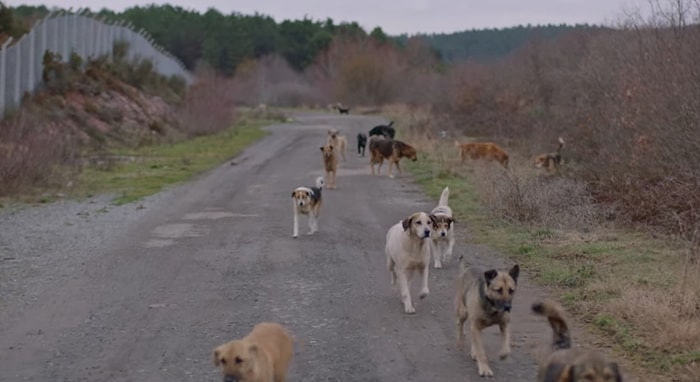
307, 201
408, 250
444, 239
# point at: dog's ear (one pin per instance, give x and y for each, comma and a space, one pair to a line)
452, 220
216, 357
433, 219
406, 223
308, 193
321, 148
515, 272
490, 275
253, 350
293, 193
616, 370
330, 147
558, 372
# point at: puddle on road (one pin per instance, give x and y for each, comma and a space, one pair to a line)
165, 235
215, 215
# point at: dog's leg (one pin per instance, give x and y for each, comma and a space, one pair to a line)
450, 245
398, 167
295, 232
391, 266
461, 319
505, 332
312, 223
478, 353
405, 292
424, 292
436, 252
391, 163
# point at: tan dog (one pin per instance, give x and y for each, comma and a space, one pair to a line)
390, 149
340, 142
485, 151
565, 364
307, 201
408, 250
330, 164
484, 297
261, 356
550, 161
443, 241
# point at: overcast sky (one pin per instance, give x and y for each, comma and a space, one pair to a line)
399, 16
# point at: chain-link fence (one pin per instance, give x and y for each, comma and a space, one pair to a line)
21, 64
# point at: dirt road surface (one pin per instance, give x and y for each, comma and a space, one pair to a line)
144, 292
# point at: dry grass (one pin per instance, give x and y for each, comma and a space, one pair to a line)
639, 294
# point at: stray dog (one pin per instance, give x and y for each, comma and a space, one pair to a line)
443, 240
330, 164
550, 161
408, 250
387, 131
565, 364
392, 150
340, 142
485, 150
307, 201
484, 297
361, 143
261, 356
341, 109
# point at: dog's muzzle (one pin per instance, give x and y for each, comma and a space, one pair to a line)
301, 203
230, 378
443, 234
426, 234
505, 306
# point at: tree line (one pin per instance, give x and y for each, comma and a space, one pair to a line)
224, 41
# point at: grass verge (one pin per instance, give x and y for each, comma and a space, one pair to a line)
149, 169
636, 294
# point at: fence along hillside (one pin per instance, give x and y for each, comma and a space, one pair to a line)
21, 63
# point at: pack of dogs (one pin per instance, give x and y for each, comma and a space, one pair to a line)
484, 297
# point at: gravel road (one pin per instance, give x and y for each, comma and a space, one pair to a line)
143, 292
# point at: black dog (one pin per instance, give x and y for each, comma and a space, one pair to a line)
361, 143
342, 110
386, 130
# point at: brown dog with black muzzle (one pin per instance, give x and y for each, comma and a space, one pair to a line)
565, 364
263, 355
330, 164
484, 297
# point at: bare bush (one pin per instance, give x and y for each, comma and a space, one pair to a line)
34, 153
524, 196
209, 105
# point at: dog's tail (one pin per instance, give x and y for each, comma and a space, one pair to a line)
444, 196
391, 123
561, 144
554, 312
320, 182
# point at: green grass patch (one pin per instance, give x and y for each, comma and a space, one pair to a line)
155, 167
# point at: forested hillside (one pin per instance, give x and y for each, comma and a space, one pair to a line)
484, 44
225, 41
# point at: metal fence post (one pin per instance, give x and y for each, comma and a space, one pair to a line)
18, 73
3, 75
